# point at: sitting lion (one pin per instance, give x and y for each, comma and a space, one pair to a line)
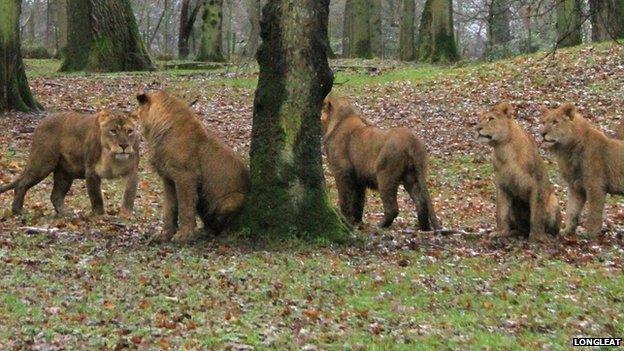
591, 164
525, 202
200, 173
76, 146
362, 156
619, 131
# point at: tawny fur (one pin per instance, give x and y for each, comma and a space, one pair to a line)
362, 156
619, 131
591, 164
525, 201
76, 146
201, 174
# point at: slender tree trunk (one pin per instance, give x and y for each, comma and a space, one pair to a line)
14, 90
436, 35
569, 31
187, 21
347, 29
104, 37
167, 27
607, 17
375, 25
253, 41
62, 27
211, 45
228, 29
407, 30
288, 196
499, 35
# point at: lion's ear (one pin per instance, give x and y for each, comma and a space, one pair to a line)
506, 109
143, 99
543, 110
102, 117
569, 110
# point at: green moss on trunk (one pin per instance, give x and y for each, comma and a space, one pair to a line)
211, 42
407, 30
499, 36
14, 90
436, 35
103, 37
288, 196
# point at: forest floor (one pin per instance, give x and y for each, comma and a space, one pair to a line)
96, 283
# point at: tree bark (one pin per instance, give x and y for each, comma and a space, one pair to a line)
407, 30
62, 27
104, 37
375, 28
499, 35
347, 29
569, 31
607, 18
436, 35
187, 21
253, 42
288, 196
14, 90
211, 44
360, 40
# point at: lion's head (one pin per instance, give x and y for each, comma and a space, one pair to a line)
118, 133
494, 125
334, 110
558, 126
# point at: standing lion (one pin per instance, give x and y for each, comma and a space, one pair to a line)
363, 156
201, 174
591, 164
525, 201
75, 146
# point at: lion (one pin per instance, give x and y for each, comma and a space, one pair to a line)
619, 131
201, 174
526, 204
362, 156
591, 164
77, 146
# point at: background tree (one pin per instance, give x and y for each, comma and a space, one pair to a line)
211, 44
607, 18
288, 192
188, 15
436, 35
569, 30
14, 90
359, 28
499, 35
376, 28
103, 37
253, 39
407, 30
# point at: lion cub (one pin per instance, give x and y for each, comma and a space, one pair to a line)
76, 146
525, 202
362, 156
200, 173
591, 164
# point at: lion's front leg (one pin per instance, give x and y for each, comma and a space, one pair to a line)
347, 196
187, 196
503, 212
95, 193
576, 202
596, 199
537, 231
170, 212
132, 182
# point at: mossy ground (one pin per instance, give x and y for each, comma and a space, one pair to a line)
97, 283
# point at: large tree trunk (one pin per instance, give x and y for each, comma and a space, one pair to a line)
436, 36
62, 28
407, 30
211, 44
103, 37
499, 36
569, 23
607, 17
14, 91
360, 40
288, 195
253, 42
187, 21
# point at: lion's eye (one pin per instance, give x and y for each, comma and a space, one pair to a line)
491, 119
112, 132
130, 131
